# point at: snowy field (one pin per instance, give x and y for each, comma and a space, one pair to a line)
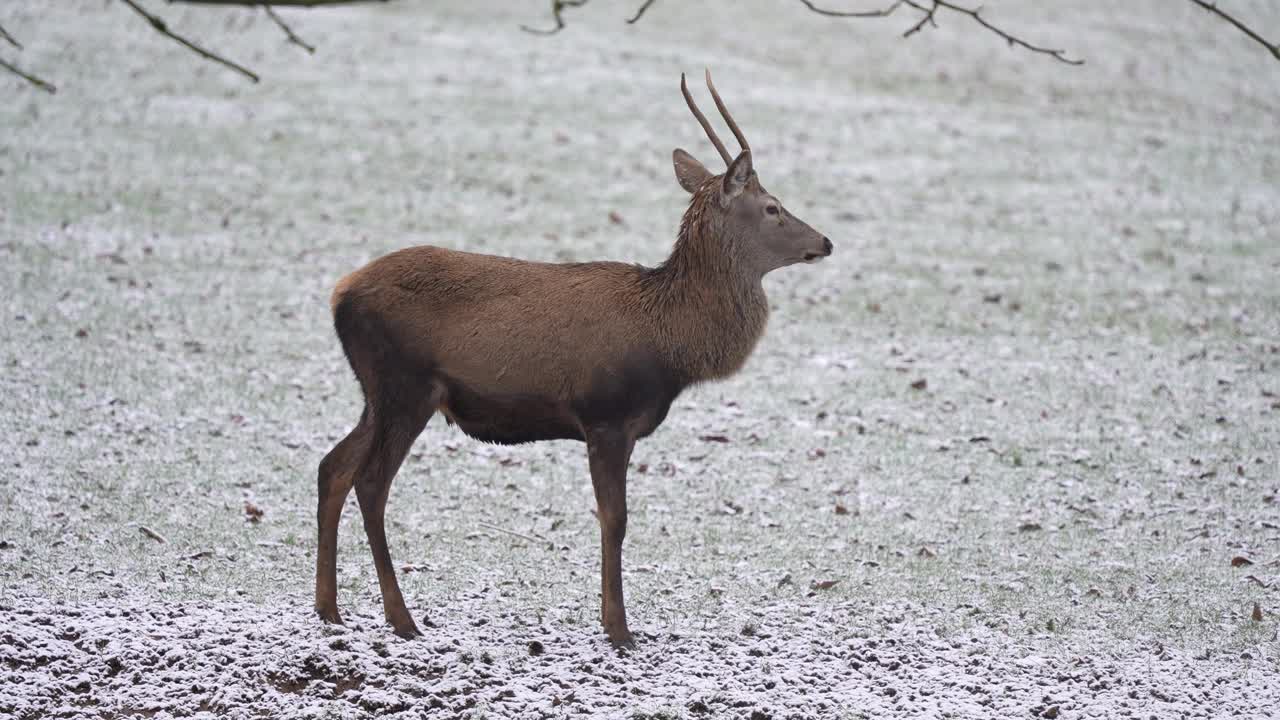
1010, 453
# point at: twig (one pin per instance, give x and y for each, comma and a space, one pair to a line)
639, 13
1273, 48
42, 84
278, 3
975, 13
293, 38
928, 14
163, 29
513, 533
12, 41
152, 534
557, 7
925, 18
883, 12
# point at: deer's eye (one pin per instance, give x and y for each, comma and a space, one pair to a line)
771, 209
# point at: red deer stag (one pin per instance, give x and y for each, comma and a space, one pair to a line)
513, 351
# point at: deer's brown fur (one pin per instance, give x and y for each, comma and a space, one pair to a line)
513, 351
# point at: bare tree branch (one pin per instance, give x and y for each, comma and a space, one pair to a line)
1273, 48
38, 82
293, 38
928, 15
975, 13
883, 12
639, 13
277, 3
42, 84
557, 7
160, 26
12, 41
270, 5
163, 29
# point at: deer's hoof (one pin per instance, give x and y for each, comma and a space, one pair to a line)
408, 631
329, 615
621, 639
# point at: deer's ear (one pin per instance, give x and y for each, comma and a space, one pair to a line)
689, 172
735, 178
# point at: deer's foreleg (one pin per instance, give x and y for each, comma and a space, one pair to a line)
608, 452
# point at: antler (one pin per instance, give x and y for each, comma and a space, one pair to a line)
742, 140
702, 120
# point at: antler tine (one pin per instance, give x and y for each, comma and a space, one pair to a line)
702, 120
742, 140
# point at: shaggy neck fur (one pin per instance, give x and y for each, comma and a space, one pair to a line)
709, 306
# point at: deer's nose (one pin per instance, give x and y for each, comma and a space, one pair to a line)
826, 244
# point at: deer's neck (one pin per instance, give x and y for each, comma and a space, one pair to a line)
710, 310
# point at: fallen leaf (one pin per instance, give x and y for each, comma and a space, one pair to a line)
925, 552
252, 512
713, 438
841, 509
1257, 613
1029, 527
615, 218
1240, 561
920, 384
822, 584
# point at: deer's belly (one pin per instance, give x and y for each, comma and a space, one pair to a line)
507, 418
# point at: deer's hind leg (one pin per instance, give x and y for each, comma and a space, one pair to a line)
335, 478
400, 394
397, 419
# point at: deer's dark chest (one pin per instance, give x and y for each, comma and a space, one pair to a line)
634, 394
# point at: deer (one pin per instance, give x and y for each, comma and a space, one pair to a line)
514, 351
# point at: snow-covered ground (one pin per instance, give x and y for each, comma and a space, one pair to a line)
1010, 452
848, 659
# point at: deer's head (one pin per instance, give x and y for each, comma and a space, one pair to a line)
756, 226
